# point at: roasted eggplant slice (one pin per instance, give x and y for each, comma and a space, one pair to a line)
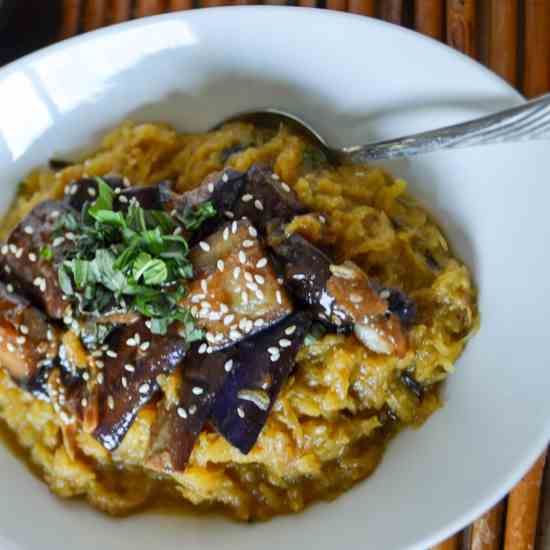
260, 368
127, 381
28, 343
221, 189
306, 274
147, 196
265, 197
177, 427
23, 265
85, 190
342, 296
235, 292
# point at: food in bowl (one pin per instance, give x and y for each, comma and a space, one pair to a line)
223, 318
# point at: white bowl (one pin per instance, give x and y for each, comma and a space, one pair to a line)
355, 79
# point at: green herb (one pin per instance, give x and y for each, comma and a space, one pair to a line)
313, 159
21, 187
46, 253
129, 261
193, 217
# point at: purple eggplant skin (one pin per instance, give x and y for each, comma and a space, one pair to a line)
402, 306
21, 263
222, 189
242, 406
176, 429
129, 379
147, 196
85, 190
265, 198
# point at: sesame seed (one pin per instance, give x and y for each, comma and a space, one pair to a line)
111, 353
385, 294
242, 257
228, 319
28, 230
196, 298
206, 305
129, 368
274, 357
210, 187
131, 342
262, 262
202, 348
248, 243
285, 342
205, 246
259, 279
100, 378
177, 231
240, 412
7, 269
97, 353
279, 297
124, 381
145, 346
49, 334
258, 205
285, 187
290, 330
5, 249
225, 178
91, 192
123, 199
24, 329
229, 214
228, 365
248, 277
197, 391
19, 252
192, 409
73, 189
252, 231
252, 286
209, 349
356, 298
226, 234
247, 197
12, 248
110, 402
11, 347
99, 364
299, 276
84, 402
32, 257
259, 323
143, 389
244, 297
273, 349
86, 376
234, 228
9, 287
235, 335
210, 337
71, 236
58, 240
182, 413
204, 286
275, 177
236, 272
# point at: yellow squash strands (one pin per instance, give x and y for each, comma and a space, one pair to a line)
333, 418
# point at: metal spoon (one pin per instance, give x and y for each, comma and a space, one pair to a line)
530, 121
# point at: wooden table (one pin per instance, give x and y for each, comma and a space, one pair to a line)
512, 37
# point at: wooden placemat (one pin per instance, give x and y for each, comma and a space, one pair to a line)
511, 37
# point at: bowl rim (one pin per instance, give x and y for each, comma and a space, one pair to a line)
473, 512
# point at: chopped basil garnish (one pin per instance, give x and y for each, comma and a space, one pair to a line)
46, 253
129, 261
193, 218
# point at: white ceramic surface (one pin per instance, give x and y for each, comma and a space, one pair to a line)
355, 79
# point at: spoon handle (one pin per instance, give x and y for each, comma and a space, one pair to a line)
530, 121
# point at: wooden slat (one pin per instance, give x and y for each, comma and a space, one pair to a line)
95, 14
149, 7
176, 5
340, 5
120, 10
452, 543
307, 3
212, 3
536, 76
71, 18
461, 26
363, 7
523, 509
544, 520
429, 17
503, 41
486, 532
392, 11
